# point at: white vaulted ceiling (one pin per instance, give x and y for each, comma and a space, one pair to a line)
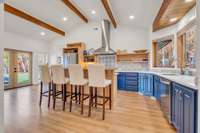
52, 12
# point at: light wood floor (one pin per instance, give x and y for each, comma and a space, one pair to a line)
133, 114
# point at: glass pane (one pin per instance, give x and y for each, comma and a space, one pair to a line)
6, 68
190, 48
23, 68
165, 57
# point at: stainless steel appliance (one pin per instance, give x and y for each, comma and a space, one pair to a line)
165, 98
70, 58
105, 55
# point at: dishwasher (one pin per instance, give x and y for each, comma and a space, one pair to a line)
165, 98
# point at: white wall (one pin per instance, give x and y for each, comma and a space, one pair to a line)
129, 38
14, 41
123, 37
1, 70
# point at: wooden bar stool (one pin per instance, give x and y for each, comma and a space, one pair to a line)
45, 80
77, 80
97, 81
59, 79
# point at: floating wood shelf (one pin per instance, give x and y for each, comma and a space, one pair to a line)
133, 57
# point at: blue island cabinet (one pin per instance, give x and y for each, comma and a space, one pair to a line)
146, 84
184, 110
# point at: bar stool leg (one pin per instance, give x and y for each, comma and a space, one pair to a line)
82, 98
90, 101
65, 88
76, 87
96, 97
41, 88
54, 96
64, 96
104, 103
79, 95
49, 95
71, 96
92, 96
110, 96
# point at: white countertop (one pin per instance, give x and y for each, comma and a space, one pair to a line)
186, 80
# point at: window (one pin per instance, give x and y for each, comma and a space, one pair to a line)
164, 52
189, 47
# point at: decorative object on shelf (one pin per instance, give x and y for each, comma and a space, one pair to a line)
59, 60
90, 51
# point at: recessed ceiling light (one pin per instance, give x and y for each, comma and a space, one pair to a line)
173, 19
131, 17
42, 33
93, 12
64, 18
187, 1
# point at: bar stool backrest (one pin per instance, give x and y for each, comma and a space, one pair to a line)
76, 75
58, 74
96, 75
45, 74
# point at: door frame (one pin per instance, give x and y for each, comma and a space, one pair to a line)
14, 74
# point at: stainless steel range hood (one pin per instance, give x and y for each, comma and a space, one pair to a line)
105, 48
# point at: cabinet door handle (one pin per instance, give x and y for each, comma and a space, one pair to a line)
186, 95
15, 69
176, 90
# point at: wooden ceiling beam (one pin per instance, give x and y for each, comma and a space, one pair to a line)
32, 19
161, 12
75, 10
109, 12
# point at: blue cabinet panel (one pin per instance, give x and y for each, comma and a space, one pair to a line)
140, 83
188, 113
128, 81
131, 81
156, 88
183, 109
146, 84
121, 81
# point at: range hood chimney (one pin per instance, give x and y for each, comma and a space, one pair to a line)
105, 48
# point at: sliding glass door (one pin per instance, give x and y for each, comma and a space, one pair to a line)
7, 70
17, 68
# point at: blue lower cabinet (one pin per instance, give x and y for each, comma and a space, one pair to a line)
184, 110
127, 81
121, 81
156, 87
146, 84
131, 82
140, 83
